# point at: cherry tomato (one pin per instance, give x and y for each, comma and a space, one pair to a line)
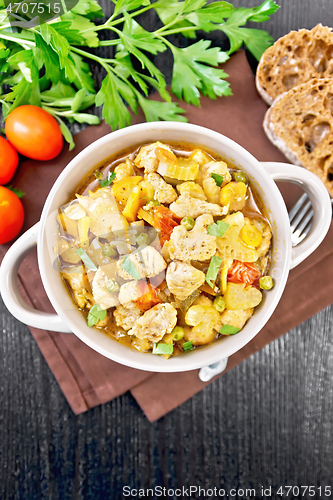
244, 272
11, 215
9, 161
34, 133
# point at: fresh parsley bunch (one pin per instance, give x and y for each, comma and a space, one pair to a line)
47, 65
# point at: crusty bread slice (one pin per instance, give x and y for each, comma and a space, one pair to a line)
300, 124
294, 59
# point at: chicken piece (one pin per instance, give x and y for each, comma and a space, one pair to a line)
147, 158
124, 170
155, 323
183, 279
196, 244
186, 206
236, 317
163, 192
102, 296
201, 157
75, 276
148, 262
104, 214
127, 316
192, 189
132, 291
214, 167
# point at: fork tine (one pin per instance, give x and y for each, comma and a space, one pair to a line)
303, 223
297, 206
300, 214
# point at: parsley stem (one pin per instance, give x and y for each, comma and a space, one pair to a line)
24, 43
176, 31
100, 60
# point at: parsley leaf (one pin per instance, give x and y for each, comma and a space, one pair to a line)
95, 315
162, 348
213, 269
86, 259
48, 65
217, 228
217, 178
229, 330
130, 268
188, 346
190, 76
108, 180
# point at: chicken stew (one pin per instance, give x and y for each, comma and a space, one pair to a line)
165, 248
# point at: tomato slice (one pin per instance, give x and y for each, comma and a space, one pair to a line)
244, 272
149, 299
165, 221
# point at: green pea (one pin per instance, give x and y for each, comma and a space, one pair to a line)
266, 282
142, 239
219, 303
239, 176
112, 286
178, 333
98, 174
109, 251
188, 223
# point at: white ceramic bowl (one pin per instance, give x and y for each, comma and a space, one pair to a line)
44, 233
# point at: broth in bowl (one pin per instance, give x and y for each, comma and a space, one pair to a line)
165, 248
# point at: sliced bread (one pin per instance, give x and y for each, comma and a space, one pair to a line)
300, 124
294, 59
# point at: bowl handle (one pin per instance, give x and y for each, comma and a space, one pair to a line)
10, 291
321, 205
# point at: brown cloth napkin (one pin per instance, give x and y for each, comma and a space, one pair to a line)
89, 379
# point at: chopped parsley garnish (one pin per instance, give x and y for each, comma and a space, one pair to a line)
130, 268
86, 259
162, 348
217, 228
213, 269
229, 330
95, 315
218, 179
188, 346
108, 180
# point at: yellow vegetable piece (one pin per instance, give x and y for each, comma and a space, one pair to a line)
233, 194
224, 274
238, 296
83, 228
140, 195
250, 235
123, 188
145, 215
185, 170
147, 192
68, 225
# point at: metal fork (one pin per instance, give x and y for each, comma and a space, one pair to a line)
300, 217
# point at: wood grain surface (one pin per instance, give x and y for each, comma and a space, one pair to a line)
267, 423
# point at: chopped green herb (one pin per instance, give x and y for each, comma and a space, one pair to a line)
188, 346
217, 228
213, 269
18, 192
229, 330
162, 348
86, 259
130, 268
108, 180
218, 179
95, 315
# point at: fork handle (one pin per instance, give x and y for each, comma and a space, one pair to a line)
321, 204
